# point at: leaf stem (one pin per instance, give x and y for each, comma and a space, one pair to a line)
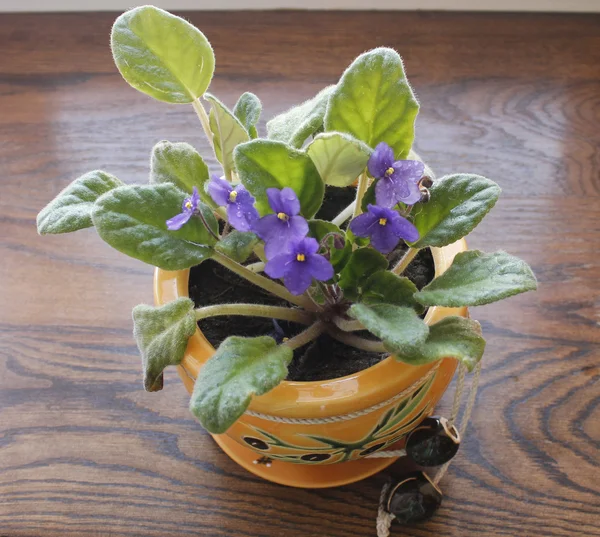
201, 215
313, 332
256, 267
203, 116
363, 183
344, 215
406, 260
347, 325
255, 310
264, 283
356, 341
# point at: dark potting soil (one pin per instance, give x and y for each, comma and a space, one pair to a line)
323, 359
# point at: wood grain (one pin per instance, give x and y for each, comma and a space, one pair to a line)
84, 451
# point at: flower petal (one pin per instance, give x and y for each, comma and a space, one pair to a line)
195, 199
383, 239
175, 223
380, 160
403, 228
319, 267
297, 278
362, 225
241, 217
289, 201
277, 266
410, 170
219, 190
385, 192
297, 228
274, 197
267, 227
413, 194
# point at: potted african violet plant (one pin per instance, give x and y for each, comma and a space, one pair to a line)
324, 261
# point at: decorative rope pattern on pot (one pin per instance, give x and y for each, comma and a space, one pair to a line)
385, 518
351, 415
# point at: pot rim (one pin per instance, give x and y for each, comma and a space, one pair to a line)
322, 398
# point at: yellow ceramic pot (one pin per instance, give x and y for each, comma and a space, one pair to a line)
316, 434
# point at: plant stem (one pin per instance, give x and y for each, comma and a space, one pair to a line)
203, 116
405, 261
201, 215
265, 283
357, 342
255, 310
256, 267
347, 325
307, 336
259, 251
344, 215
363, 183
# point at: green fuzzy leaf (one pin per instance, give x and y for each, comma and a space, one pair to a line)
362, 264
476, 278
295, 125
319, 229
162, 335
162, 55
263, 164
374, 102
241, 368
400, 329
71, 209
247, 110
180, 164
132, 219
237, 245
452, 337
387, 288
227, 131
458, 203
339, 158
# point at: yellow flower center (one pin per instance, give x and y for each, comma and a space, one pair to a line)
389, 171
301, 257
283, 216
382, 221
188, 204
232, 196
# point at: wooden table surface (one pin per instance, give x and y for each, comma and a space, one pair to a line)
85, 451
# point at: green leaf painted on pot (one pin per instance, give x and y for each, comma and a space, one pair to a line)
241, 368
263, 164
339, 158
319, 229
180, 164
476, 278
400, 328
132, 219
227, 131
162, 55
237, 245
458, 203
162, 335
387, 288
295, 125
362, 264
374, 102
247, 110
452, 337
71, 209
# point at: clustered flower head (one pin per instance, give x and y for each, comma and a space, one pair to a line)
189, 207
385, 227
398, 180
292, 255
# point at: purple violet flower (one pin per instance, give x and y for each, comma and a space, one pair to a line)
385, 227
398, 180
299, 265
189, 207
241, 212
286, 225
